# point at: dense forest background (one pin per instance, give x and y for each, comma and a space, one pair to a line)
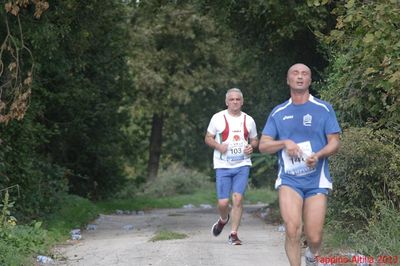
96, 96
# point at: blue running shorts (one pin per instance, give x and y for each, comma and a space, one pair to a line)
231, 180
308, 192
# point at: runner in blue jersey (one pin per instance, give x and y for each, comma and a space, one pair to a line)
304, 132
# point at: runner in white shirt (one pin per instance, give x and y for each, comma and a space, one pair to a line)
233, 136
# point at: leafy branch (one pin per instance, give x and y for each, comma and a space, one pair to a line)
15, 78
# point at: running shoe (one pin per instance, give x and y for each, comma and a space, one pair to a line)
234, 240
218, 226
312, 261
310, 258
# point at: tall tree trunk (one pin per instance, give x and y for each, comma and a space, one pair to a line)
155, 146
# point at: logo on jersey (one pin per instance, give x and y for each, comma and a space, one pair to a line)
236, 137
307, 119
287, 117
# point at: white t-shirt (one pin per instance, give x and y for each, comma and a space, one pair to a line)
235, 131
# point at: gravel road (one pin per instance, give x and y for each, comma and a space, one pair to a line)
124, 239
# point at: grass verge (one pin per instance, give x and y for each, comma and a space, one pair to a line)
20, 244
167, 235
206, 196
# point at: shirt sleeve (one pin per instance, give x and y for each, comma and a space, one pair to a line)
270, 128
332, 125
253, 129
212, 129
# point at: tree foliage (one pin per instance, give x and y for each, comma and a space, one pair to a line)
70, 138
362, 81
364, 76
81, 47
176, 53
272, 36
42, 183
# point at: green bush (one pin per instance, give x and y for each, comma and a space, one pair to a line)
365, 171
364, 210
177, 180
18, 242
23, 239
73, 212
382, 234
264, 170
40, 182
379, 236
42, 193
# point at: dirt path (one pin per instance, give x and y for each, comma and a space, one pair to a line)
114, 242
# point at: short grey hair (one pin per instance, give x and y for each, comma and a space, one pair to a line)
233, 90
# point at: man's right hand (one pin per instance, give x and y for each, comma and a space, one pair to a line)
292, 149
222, 147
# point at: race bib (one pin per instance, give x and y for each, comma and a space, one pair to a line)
235, 151
297, 165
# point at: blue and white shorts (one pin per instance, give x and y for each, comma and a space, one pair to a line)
308, 192
231, 180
